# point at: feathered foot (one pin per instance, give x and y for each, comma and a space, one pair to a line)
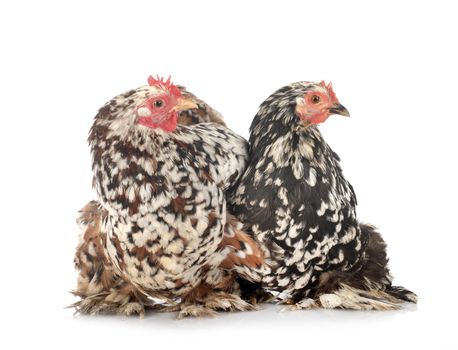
349, 298
121, 299
356, 299
101, 290
101, 303
211, 303
195, 310
304, 304
204, 301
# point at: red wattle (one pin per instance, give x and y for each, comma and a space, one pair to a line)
168, 125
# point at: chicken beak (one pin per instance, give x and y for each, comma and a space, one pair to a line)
184, 104
339, 109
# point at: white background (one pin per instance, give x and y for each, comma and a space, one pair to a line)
393, 65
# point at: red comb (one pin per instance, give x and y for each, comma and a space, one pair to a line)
329, 88
167, 85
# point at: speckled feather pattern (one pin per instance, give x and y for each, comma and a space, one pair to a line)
167, 220
161, 223
297, 204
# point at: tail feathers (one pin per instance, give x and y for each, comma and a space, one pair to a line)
375, 264
403, 294
242, 253
375, 272
368, 288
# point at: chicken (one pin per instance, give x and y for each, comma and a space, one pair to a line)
299, 207
160, 229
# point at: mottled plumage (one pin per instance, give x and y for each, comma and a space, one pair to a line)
160, 228
301, 210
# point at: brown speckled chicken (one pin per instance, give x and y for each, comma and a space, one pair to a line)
162, 161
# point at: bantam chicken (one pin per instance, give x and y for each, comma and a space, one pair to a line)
160, 230
301, 210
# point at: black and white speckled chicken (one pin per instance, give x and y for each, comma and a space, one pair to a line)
160, 228
301, 210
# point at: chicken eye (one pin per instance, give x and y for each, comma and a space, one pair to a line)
158, 103
315, 99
